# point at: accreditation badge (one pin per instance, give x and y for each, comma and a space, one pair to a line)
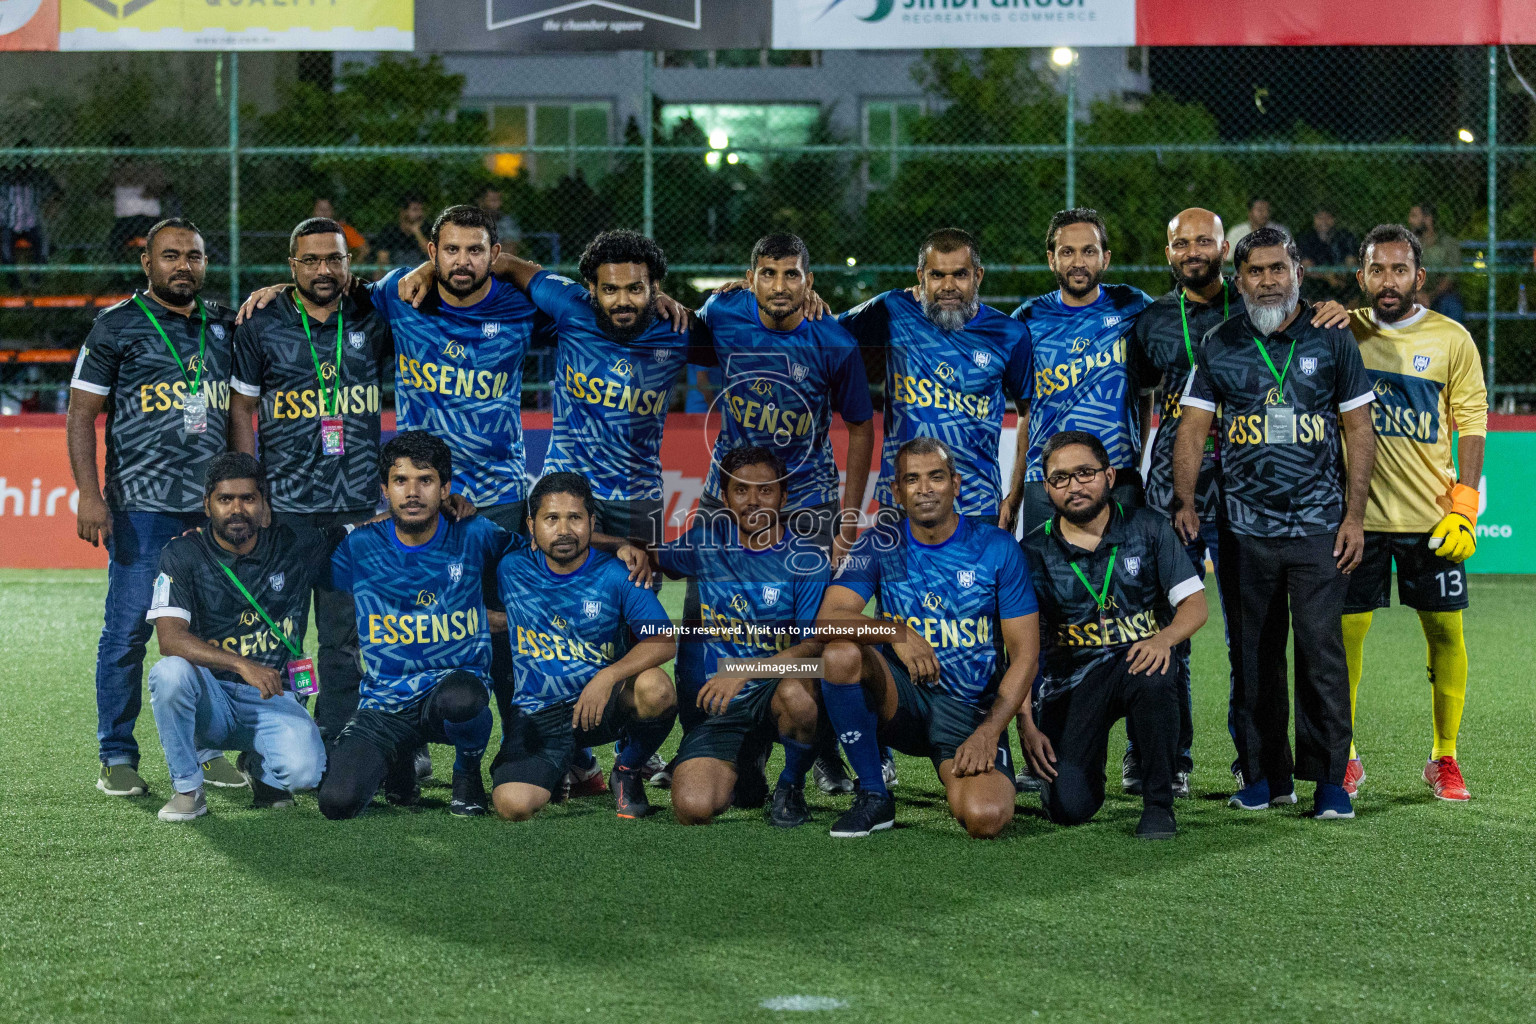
1280, 424
332, 438
302, 677
194, 413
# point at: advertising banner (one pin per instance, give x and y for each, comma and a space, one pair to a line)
922, 24
236, 25
544, 26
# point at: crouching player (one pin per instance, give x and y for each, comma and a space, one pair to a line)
760, 587
959, 590
567, 609
1109, 579
417, 580
229, 607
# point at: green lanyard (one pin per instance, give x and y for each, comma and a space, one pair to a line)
293, 648
1102, 596
202, 337
1279, 377
319, 374
1226, 312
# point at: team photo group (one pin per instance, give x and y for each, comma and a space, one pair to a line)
999, 625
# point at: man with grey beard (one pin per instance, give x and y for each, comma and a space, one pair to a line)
949, 360
1292, 527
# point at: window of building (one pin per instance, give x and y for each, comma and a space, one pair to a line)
516, 125
740, 58
727, 126
887, 125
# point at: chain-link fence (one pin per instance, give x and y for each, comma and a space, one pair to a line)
1334, 140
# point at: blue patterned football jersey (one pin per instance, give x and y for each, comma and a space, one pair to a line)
955, 594
611, 397
565, 628
459, 375
780, 390
945, 384
754, 603
420, 610
1086, 372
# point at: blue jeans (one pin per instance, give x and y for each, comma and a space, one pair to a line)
193, 708
133, 553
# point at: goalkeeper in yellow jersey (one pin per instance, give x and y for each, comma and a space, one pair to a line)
1422, 512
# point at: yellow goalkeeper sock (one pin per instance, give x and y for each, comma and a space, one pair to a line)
1447, 676
1355, 628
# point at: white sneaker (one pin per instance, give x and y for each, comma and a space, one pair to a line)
185, 806
888, 772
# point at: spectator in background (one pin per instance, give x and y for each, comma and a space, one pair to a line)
1258, 217
26, 192
404, 243
507, 228
1441, 292
1326, 245
138, 188
357, 245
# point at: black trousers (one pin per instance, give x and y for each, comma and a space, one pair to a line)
1271, 587
376, 741
1077, 723
336, 623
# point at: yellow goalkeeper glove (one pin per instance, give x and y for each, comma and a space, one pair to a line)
1454, 537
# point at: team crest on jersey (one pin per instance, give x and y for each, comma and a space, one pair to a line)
276, 581
798, 371
490, 329
1078, 345
659, 355
1111, 321
966, 577
592, 609
933, 602
1420, 363
770, 595
621, 368
1307, 365
1133, 564
217, 330
356, 339
456, 571
945, 371
981, 359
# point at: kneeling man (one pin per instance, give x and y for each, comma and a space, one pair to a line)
1117, 593
230, 607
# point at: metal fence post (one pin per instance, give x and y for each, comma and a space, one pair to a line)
1072, 133
1493, 214
648, 157
234, 178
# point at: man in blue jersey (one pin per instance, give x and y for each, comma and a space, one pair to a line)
759, 590
568, 608
616, 363
417, 580
1087, 375
963, 655
949, 362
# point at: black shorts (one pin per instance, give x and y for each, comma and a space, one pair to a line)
929, 722
721, 736
395, 730
1425, 581
633, 520
536, 746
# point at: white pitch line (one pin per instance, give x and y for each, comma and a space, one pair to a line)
803, 1003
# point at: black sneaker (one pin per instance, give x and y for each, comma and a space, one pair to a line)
628, 792
267, 798
751, 779
1130, 774
871, 812
788, 808
1026, 781
401, 786
468, 794
1180, 784
1156, 823
423, 762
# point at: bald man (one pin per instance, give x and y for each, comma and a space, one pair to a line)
1170, 332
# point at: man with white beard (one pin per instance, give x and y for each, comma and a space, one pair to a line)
1293, 527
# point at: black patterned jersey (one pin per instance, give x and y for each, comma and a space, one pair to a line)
1272, 489
1169, 337
279, 572
1148, 575
153, 463
273, 361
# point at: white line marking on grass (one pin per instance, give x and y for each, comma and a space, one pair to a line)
803, 1003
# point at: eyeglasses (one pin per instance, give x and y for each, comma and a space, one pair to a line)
1056, 481
335, 261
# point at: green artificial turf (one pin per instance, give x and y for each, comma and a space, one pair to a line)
1415, 911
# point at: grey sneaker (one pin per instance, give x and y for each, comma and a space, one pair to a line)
888, 772
121, 780
831, 776
219, 772
1180, 785
185, 806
